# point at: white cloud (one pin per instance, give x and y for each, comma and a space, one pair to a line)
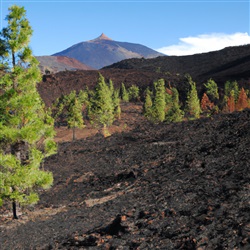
205, 43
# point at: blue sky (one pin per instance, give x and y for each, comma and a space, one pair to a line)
172, 27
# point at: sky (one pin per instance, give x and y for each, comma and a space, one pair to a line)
180, 27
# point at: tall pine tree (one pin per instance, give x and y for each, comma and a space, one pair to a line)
101, 110
71, 106
147, 106
193, 102
116, 102
212, 89
133, 92
124, 93
26, 128
159, 103
242, 102
174, 114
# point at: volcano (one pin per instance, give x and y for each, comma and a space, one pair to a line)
103, 51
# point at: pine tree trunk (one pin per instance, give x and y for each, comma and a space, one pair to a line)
14, 65
17, 150
14, 210
74, 133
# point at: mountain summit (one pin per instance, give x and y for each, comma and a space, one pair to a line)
103, 51
101, 37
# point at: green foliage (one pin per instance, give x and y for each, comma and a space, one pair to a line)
115, 94
71, 106
168, 100
212, 89
101, 108
83, 96
17, 34
193, 102
158, 70
147, 107
174, 113
159, 103
74, 118
124, 93
133, 92
26, 127
116, 103
231, 86
155, 110
231, 94
111, 87
3, 51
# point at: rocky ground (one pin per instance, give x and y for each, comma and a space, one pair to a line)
62, 83
166, 186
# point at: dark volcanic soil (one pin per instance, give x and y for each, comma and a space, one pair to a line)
62, 83
176, 186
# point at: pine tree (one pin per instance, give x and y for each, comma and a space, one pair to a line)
231, 92
124, 93
101, 109
3, 53
206, 104
111, 87
159, 103
242, 102
193, 102
174, 114
133, 92
74, 117
72, 106
147, 106
229, 86
115, 99
26, 128
116, 103
169, 101
212, 89
231, 102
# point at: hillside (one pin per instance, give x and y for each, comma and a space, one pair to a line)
147, 186
54, 64
104, 51
232, 63
177, 186
55, 85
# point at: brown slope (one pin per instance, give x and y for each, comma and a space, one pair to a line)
54, 64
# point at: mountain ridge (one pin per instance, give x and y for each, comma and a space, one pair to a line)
103, 51
230, 62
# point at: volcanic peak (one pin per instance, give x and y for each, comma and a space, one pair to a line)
101, 37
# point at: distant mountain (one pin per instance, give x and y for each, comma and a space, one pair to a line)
231, 63
104, 51
60, 63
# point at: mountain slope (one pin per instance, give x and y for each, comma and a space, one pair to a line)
60, 63
174, 186
103, 51
229, 63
